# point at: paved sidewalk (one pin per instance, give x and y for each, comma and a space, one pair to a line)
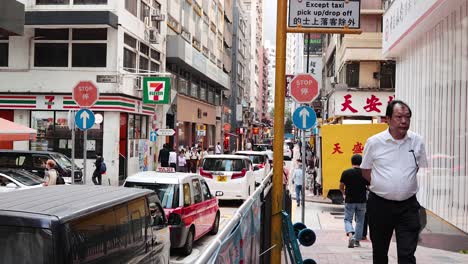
331, 244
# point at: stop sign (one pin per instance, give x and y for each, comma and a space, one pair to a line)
304, 88
85, 94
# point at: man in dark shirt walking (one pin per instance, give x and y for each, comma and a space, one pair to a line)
163, 156
353, 187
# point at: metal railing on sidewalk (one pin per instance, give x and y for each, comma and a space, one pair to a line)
247, 234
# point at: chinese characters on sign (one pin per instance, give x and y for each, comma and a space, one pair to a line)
358, 148
361, 103
324, 14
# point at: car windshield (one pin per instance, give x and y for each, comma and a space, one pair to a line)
216, 164
262, 147
24, 177
256, 159
168, 194
34, 245
62, 160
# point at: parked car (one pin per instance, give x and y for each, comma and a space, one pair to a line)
230, 177
187, 201
16, 179
34, 162
83, 224
267, 148
260, 162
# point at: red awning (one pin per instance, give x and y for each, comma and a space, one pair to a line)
10, 131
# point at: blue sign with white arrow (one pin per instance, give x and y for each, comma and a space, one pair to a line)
153, 136
84, 119
304, 117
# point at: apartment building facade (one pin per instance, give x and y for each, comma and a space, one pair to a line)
355, 70
113, 44
239, 100
196, 58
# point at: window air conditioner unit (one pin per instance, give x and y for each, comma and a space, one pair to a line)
157, 16
153, 36
333, 80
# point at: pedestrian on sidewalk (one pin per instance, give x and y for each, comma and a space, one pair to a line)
297, 180
163, 157
391, 162
353, 187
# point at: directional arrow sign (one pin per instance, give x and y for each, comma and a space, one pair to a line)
84, 119
304, 117
165, 132
153, 136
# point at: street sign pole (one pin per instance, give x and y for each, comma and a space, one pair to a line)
278, 141
85, 150
303, 175
73, 151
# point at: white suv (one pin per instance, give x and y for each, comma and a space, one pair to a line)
260, 162
230, 177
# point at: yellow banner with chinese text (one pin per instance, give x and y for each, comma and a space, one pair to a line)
339, 143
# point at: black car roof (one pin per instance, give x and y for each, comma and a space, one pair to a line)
66, 202
28, 151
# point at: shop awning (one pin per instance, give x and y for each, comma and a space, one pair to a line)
10, 131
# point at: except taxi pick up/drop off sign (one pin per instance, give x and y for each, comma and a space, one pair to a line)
304, 88
324, 14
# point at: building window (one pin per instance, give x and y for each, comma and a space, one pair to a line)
387, 74
88, 47
129, 60
90, 2
137, 126
53, 134
148, 59
4, 52
183, 86
194, 90
52, 2
145, 13
352, 74
131, 6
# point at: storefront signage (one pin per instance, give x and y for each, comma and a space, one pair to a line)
360, 103
156, 90
106, 78
324, 14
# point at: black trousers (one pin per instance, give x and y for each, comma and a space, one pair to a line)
386, 216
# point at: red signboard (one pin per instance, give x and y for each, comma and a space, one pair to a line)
85, 94
304, 88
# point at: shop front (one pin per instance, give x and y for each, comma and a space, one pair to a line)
196, 122
120, 133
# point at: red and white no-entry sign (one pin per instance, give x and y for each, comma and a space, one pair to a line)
85, 94
304, 88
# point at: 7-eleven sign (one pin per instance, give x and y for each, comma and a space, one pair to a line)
156, 90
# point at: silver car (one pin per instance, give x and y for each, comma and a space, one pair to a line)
17, 179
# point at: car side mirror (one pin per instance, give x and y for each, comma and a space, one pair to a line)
256, 168
11, 185
174, 219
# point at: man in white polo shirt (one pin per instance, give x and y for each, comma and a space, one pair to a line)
391, 161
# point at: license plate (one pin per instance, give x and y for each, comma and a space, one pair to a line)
222, 178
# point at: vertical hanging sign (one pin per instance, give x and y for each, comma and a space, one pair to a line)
156, 90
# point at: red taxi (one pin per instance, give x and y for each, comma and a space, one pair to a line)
192, 211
